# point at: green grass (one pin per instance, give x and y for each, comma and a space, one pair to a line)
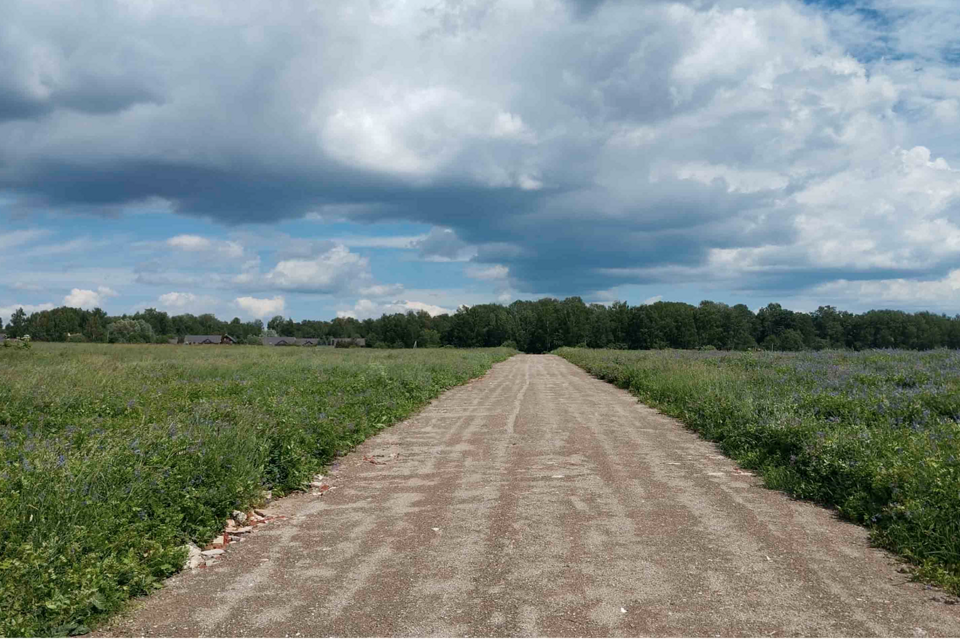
114, 456
875, 434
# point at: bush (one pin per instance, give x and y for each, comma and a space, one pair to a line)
509, 344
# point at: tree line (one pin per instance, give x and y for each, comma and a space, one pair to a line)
534, 327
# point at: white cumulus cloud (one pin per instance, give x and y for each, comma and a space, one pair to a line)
492, 272
381, 290
261, 307
177, 302
368, 309
177, 299
224, 248
88, 299
189, 243
936, 293
7, 311
334, 270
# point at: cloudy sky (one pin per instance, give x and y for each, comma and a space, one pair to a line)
315, 158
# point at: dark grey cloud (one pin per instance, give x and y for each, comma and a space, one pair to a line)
14, 106
230, 195
52, 57
443, 244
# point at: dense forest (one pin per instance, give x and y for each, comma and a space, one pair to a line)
535, 327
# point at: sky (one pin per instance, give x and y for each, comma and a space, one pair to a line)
321, 159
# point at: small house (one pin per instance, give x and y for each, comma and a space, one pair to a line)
214, 339
307, 342
228, 339
279, 341
3, 337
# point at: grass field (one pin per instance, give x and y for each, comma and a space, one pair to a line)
875, 434
113, 456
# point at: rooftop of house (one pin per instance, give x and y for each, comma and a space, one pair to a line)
214, 339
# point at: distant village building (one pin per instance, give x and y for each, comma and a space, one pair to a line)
3, 337
286, 341
213, 339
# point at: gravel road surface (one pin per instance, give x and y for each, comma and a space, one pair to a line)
539, 501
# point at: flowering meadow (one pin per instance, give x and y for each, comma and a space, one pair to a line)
112, 457
875, 434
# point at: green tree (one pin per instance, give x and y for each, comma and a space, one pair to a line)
429, 338
18, 323
742, 328
95, 329
791, 340
128, 330
600, 330
831, 326
159, 321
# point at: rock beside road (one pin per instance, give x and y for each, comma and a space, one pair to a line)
239, 530
194, 556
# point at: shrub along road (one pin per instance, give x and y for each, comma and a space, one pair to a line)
538, 501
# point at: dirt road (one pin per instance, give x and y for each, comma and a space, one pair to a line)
538, 501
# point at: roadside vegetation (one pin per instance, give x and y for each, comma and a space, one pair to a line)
113, 457
875, 434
